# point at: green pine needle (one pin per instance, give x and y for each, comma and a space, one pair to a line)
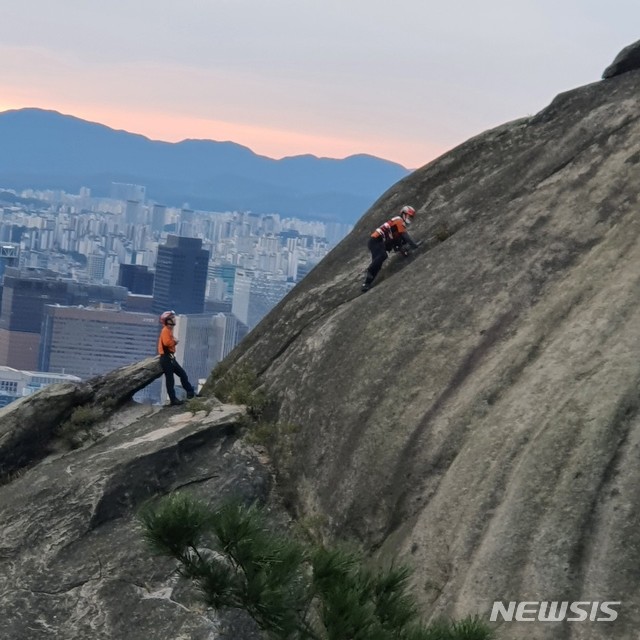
174, 524
294, 592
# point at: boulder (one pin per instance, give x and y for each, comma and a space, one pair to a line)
28, 425
118, 386
627, 60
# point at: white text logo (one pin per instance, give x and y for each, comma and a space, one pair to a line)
544, 611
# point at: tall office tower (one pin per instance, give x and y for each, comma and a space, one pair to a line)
228, 332
133, 212
254, 297
138, 303
217, 306
226, 273
265, 295
254, 220
196, 346
268, 262
136, 278
88, 294
291, 264
24, 295
186, 226
124, 191
9, 256
271, 223
158, 217
187, 215
242, 295
216, 290
181, 276
204, 340
87, 342
96, 263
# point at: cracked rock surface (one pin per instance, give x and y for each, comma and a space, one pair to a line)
73, 564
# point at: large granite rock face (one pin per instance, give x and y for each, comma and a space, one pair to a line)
73, 563
478, 408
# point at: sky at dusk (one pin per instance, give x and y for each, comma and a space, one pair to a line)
403, 80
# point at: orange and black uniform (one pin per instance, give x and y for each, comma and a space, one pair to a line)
391, 235
170, 366
166, 341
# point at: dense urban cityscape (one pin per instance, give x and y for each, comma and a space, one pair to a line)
83, 280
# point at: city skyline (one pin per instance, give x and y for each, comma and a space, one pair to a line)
70, 260
404, 82
129, 232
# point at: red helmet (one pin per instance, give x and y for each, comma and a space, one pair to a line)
166, 315
407, 211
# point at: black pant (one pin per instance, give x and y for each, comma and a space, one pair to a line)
170, 367
378, 256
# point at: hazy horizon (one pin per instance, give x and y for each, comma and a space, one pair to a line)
403, 81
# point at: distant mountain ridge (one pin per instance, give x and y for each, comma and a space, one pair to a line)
48, 150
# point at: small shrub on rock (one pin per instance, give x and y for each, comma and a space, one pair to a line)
77, 429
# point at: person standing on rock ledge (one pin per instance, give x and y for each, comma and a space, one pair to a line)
167, 351
390, 235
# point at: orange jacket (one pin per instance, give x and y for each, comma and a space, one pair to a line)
166, 341
391, 229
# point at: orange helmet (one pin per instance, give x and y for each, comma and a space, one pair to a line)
166, 315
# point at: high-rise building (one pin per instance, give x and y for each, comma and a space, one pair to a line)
9, 256
181, 276
186, 223
138, 303
254, 297
187, 215
136, 278
24, 295
226, 273
242, 295
204, 340
228, 332
96, 263
271, 223
195, 350
133, 212
217, 306
87, 342
216, 290
158, 217
254, 220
